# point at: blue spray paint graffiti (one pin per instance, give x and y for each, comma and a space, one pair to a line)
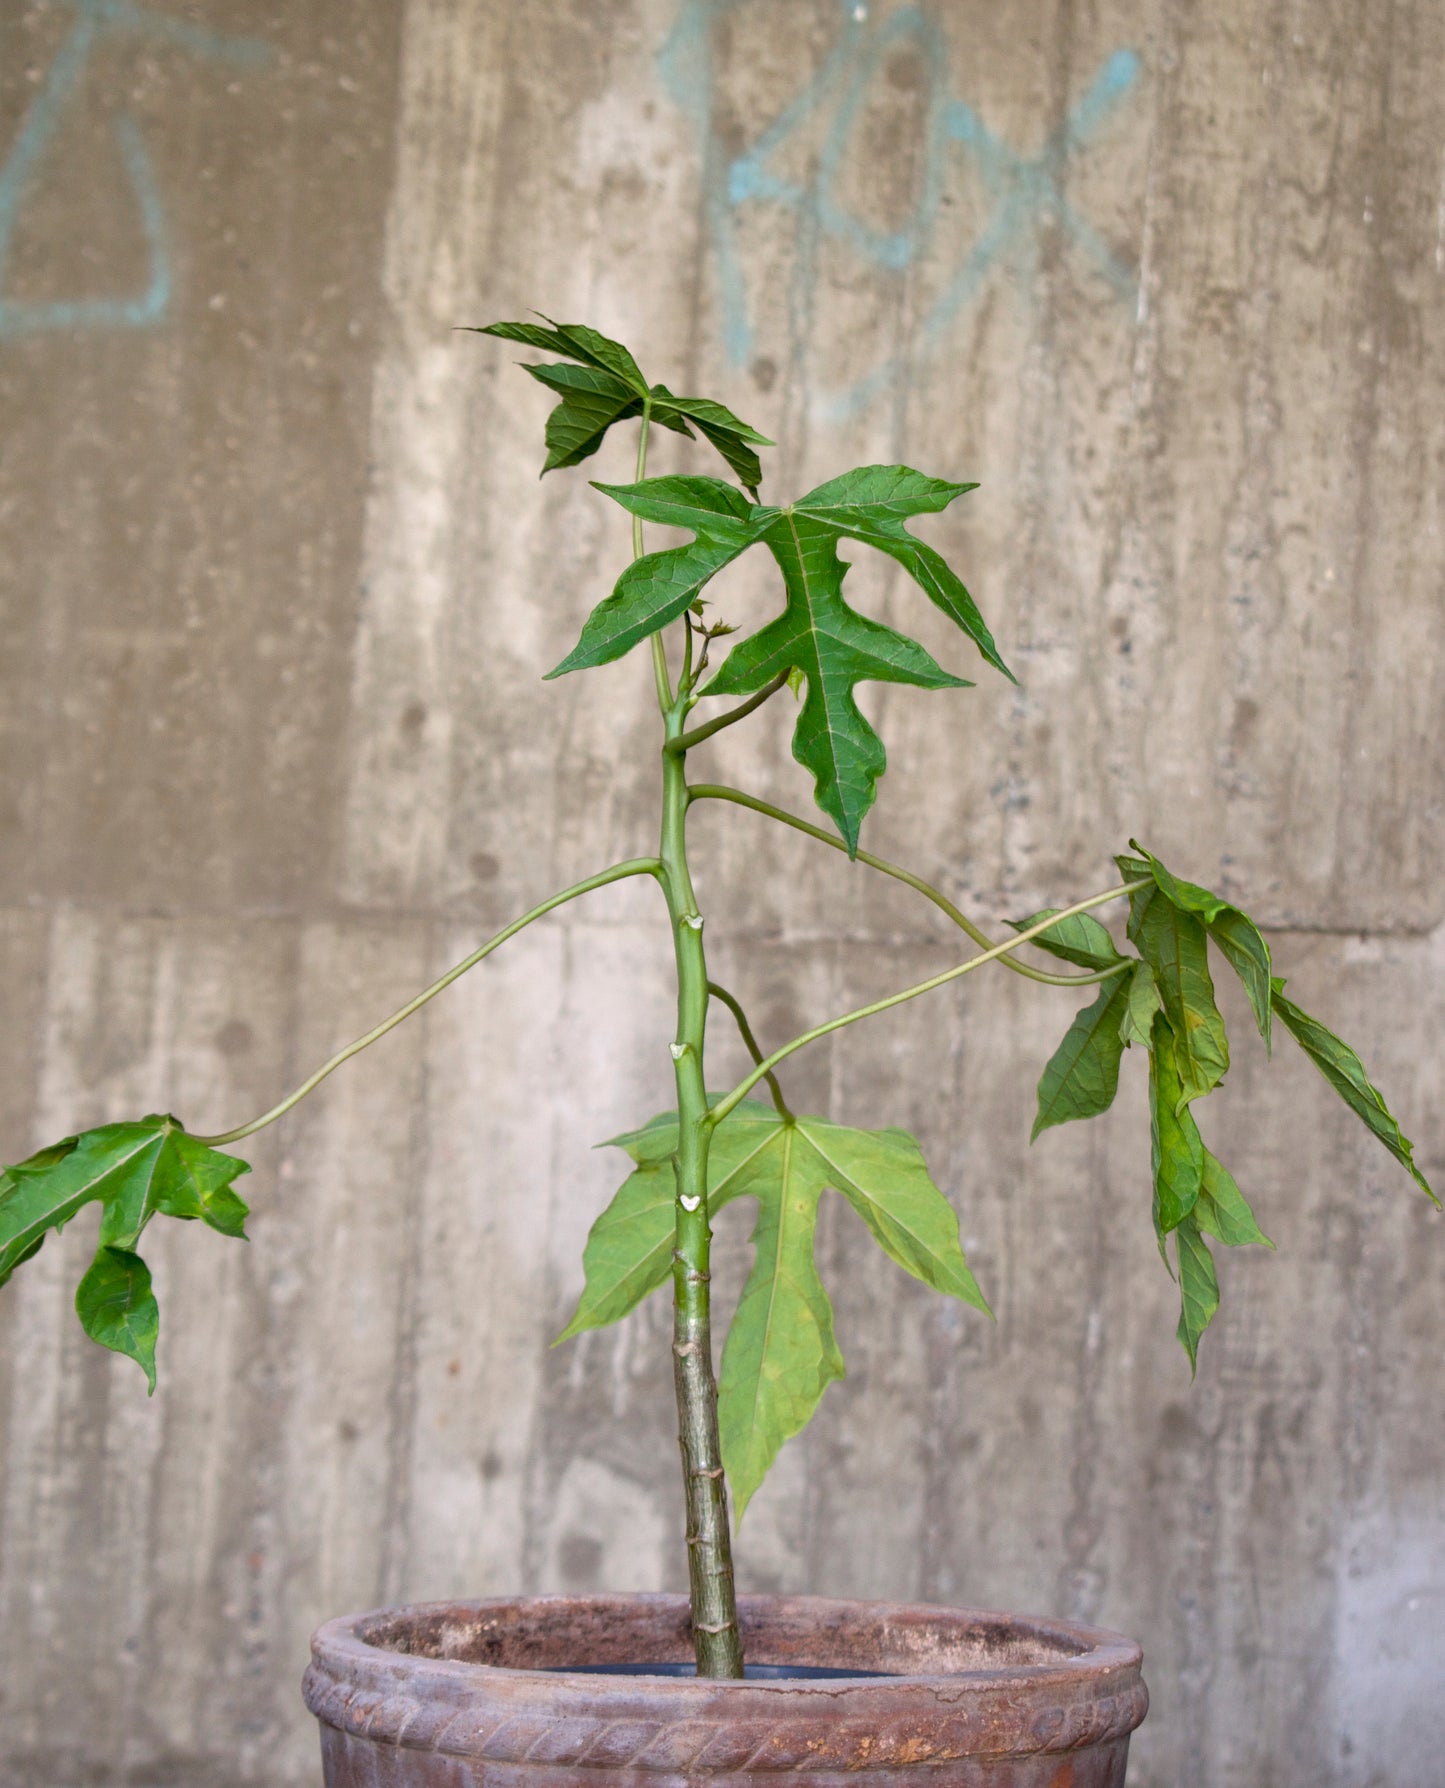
1023, 191
95, 21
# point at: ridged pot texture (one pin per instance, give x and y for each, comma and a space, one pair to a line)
457, 1695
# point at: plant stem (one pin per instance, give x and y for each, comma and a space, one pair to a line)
618, 872
661, 681
745, 1086
712, 791
750, 1042
687, 740
716, 1638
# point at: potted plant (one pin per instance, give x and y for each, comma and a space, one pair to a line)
650, 1686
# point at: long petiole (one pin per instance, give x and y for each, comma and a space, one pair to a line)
745, 1031
686, 741
711, 791
745, 1086
618, 872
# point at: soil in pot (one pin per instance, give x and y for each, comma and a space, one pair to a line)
457, 1695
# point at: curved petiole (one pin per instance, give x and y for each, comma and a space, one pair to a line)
618, 872
745, 1031
745, 1086
711, 791
686, 741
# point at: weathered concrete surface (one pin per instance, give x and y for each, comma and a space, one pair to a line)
278, 586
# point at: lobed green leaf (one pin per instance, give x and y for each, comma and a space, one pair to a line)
834, 648
729, 434
781, 1352
134, 1171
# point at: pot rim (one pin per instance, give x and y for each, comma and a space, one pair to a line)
1099, 1649
676, 1728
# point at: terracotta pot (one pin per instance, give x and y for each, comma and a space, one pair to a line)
455, 1695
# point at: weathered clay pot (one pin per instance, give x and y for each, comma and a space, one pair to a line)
456, 1695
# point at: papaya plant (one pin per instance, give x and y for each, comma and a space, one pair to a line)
1151, 993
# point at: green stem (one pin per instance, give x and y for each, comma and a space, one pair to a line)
716, 1639
661, 681
745, 1086
745, 1030
712, 791
619, 871
686, 741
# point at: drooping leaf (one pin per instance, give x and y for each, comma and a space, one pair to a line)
592, 400
729, 434
133, 1171
1236, 936
1143, 1002
1346, 1074
1082, 1076
1223, 1211
1172, 942
1176, 1146
117, 1307
1198, 1288
1079, 939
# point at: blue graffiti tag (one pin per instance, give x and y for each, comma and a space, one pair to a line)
95, 21
1023, 190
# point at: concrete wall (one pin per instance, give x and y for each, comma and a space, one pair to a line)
278, 586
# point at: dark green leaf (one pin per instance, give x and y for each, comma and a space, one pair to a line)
835, 648
133, 1171
1143, 1003
1172, 942
1080, 939
117, 1307
1236, 936
1346, 1074
1198, 1288
1223, 1211
657, 588
1082, 1077
573, 341
871, 504
592, 400
731, 436
1177, 1147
